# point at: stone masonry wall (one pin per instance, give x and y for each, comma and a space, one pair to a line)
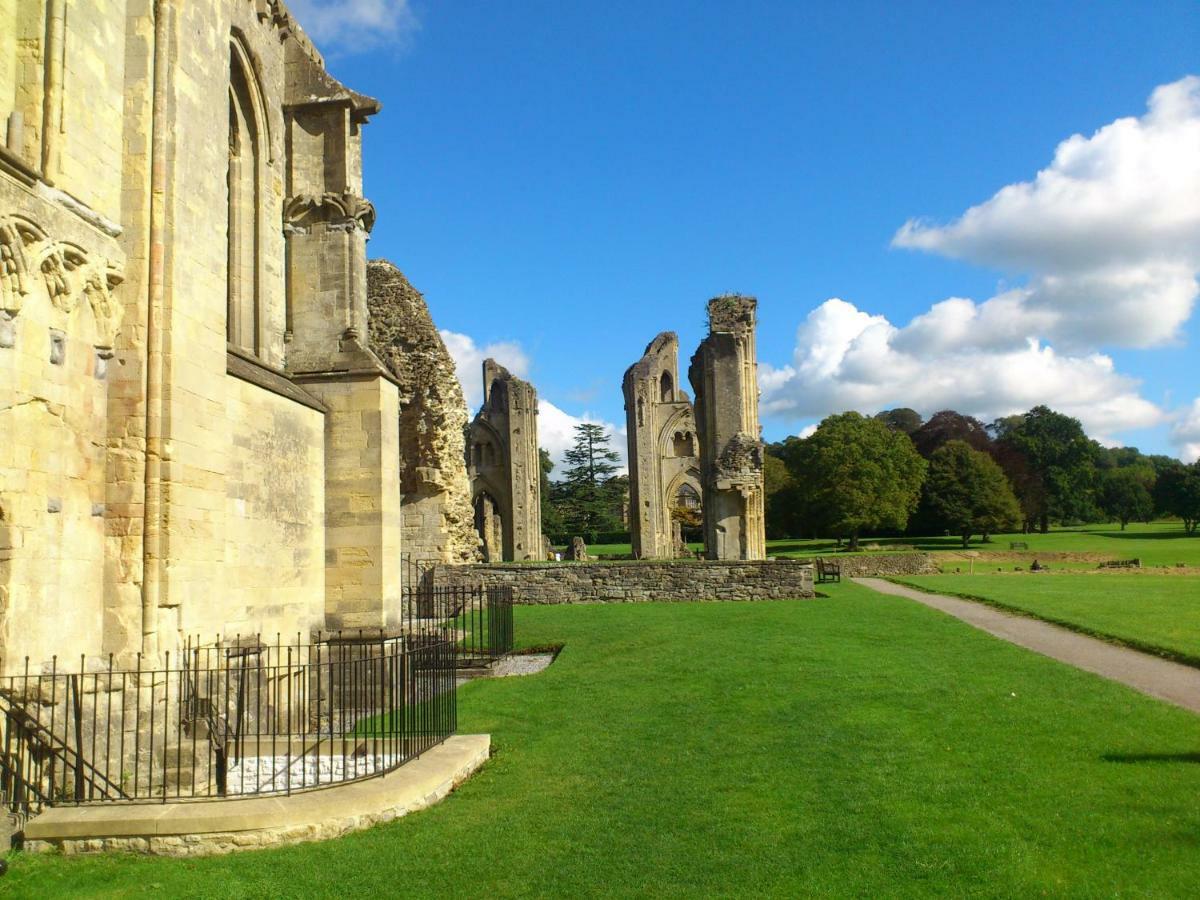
640, 581
883, 565
436, 509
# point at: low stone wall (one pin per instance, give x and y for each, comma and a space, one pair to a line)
883, 565
639, 581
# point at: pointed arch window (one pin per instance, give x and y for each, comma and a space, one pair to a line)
247, 138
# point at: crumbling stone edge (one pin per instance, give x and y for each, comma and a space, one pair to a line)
391, 798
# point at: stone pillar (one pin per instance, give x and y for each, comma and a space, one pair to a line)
663, 454
503, 462
363, 568
723, 374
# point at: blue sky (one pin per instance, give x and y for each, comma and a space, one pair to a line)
566, 180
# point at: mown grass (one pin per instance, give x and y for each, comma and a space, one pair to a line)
860, 745
1156, 544
1159, 613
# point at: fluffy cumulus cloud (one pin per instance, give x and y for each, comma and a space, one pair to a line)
556, 427
1185, 434
1107, 242
468, 362
342, 27
1108, 235
556, 432
849, 359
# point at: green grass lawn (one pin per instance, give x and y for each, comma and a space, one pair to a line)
861, 745
1156, 544
1153, 612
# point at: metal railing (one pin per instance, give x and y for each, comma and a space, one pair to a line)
226, 720
244, 717
479, 620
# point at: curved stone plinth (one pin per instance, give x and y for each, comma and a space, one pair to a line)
221, 826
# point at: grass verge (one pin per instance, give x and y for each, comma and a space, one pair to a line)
1157, 614
862, 745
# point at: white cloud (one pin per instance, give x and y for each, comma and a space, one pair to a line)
556, 432
1108, 233
1185, 434
848, 359
468, 362
343, 27
556, 427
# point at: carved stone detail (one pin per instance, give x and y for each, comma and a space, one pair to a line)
344, 211
66, 271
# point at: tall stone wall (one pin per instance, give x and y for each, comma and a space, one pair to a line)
436, 505
724, 376
664, 460
634, 582
504, 467
182, 270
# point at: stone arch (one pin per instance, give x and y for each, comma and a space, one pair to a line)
249, 142
666, 388
682, 424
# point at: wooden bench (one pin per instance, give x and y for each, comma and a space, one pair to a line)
828, 571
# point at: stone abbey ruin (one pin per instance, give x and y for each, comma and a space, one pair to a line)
698, 460
224, 432
504, 468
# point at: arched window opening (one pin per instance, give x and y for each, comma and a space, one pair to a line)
641, 411
666, 388
244, 182
687, 497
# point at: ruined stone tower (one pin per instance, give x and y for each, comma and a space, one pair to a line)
503, 465
664, 460
435, 507
723, 374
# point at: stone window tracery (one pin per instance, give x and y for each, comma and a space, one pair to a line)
245, 178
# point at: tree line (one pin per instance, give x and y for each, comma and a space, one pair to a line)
898, 473
589, 500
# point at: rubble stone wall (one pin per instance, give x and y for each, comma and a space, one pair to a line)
640, 581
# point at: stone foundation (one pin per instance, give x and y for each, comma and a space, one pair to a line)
223, 826
637, 581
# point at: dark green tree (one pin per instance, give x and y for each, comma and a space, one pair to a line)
1177, 493
552, 523
589, 491
948, 425
1125, 494
858, 475
967, 492
1060, 465
901, 419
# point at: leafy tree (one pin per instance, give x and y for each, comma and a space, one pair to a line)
946, 426
552, 523
1177, 493
901, 419
1125, 494
782, 500
590, 494
1060, 460
858, 475
968, 493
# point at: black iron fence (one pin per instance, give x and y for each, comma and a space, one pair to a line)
243, 717
480, 620
225, 720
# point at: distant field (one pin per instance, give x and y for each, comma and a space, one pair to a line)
1156, 544
1153, 612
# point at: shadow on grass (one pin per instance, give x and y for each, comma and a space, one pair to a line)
1147, 536
1152, 757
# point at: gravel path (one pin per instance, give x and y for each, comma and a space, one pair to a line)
1161, 678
